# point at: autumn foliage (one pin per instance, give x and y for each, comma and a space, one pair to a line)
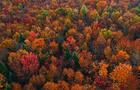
69, 44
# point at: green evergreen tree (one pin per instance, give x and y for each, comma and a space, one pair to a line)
75, 58
84, 10
3, 69
67, 54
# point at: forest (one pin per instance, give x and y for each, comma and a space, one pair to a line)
69, 44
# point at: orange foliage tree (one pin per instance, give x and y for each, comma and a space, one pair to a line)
121, 73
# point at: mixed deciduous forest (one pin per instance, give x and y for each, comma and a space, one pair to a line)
69, 44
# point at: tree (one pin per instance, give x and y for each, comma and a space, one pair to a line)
67, 54
84, 10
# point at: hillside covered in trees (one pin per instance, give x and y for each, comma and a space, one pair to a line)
69, 44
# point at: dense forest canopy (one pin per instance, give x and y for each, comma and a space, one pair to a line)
69, 44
